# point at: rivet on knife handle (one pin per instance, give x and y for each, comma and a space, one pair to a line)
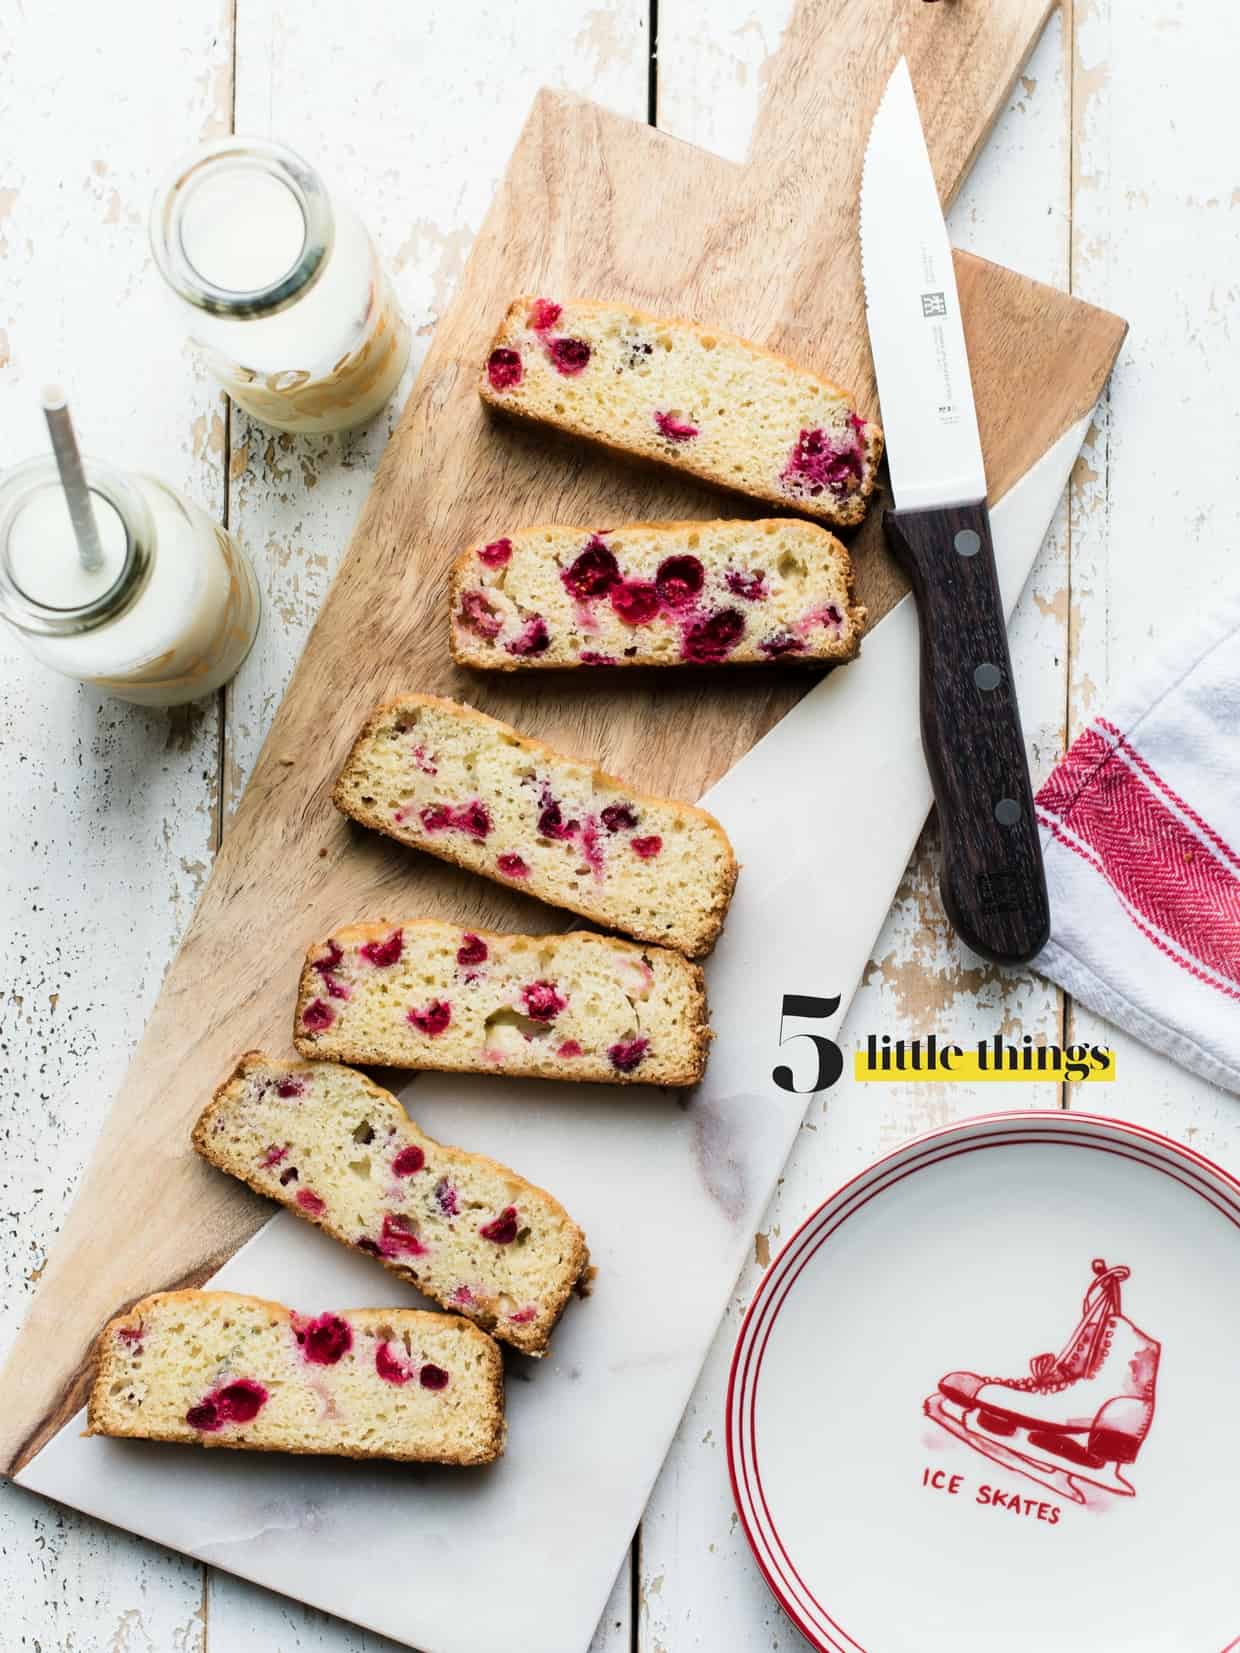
993, 883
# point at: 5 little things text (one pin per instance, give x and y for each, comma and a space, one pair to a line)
934, 1057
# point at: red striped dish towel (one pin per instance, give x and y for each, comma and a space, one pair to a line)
1141, 833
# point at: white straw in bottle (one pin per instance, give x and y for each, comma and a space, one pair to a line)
72, 477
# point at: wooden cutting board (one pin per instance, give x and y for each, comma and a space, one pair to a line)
591, 205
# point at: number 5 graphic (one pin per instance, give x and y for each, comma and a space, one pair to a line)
830, 1057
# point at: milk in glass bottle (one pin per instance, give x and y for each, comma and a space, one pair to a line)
164, 612
284, 294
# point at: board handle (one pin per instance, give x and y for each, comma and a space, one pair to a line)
834, 60
993, 882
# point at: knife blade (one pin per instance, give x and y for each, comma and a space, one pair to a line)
993, 883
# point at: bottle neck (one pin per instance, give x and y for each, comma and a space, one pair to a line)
44, 589
242, 229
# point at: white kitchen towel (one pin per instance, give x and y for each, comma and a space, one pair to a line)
1141, 833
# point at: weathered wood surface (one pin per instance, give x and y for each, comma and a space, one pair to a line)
756, 250
1156, 226
110, 816
113, 814
111, 823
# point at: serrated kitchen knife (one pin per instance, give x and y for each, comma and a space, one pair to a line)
993, 884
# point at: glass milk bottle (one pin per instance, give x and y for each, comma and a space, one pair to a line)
168, 616
285, 297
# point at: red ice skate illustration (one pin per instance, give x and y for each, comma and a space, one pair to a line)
1078, 1416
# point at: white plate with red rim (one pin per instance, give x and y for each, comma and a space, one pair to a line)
988, 1397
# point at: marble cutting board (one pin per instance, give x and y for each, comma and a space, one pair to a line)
669, 1192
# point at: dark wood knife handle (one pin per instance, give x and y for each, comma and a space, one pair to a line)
993, 883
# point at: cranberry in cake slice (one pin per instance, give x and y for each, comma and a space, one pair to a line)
686, 396
467, 788
465, 1230
215, 1368
469, 1001
657, 594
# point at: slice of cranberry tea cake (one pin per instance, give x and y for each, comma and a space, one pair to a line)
469, 789
655, 594
690, 397
214, 1368
332, 1146
425, 994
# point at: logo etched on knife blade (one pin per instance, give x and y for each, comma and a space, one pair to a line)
913, 310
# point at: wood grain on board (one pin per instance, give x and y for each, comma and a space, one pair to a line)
592, 204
